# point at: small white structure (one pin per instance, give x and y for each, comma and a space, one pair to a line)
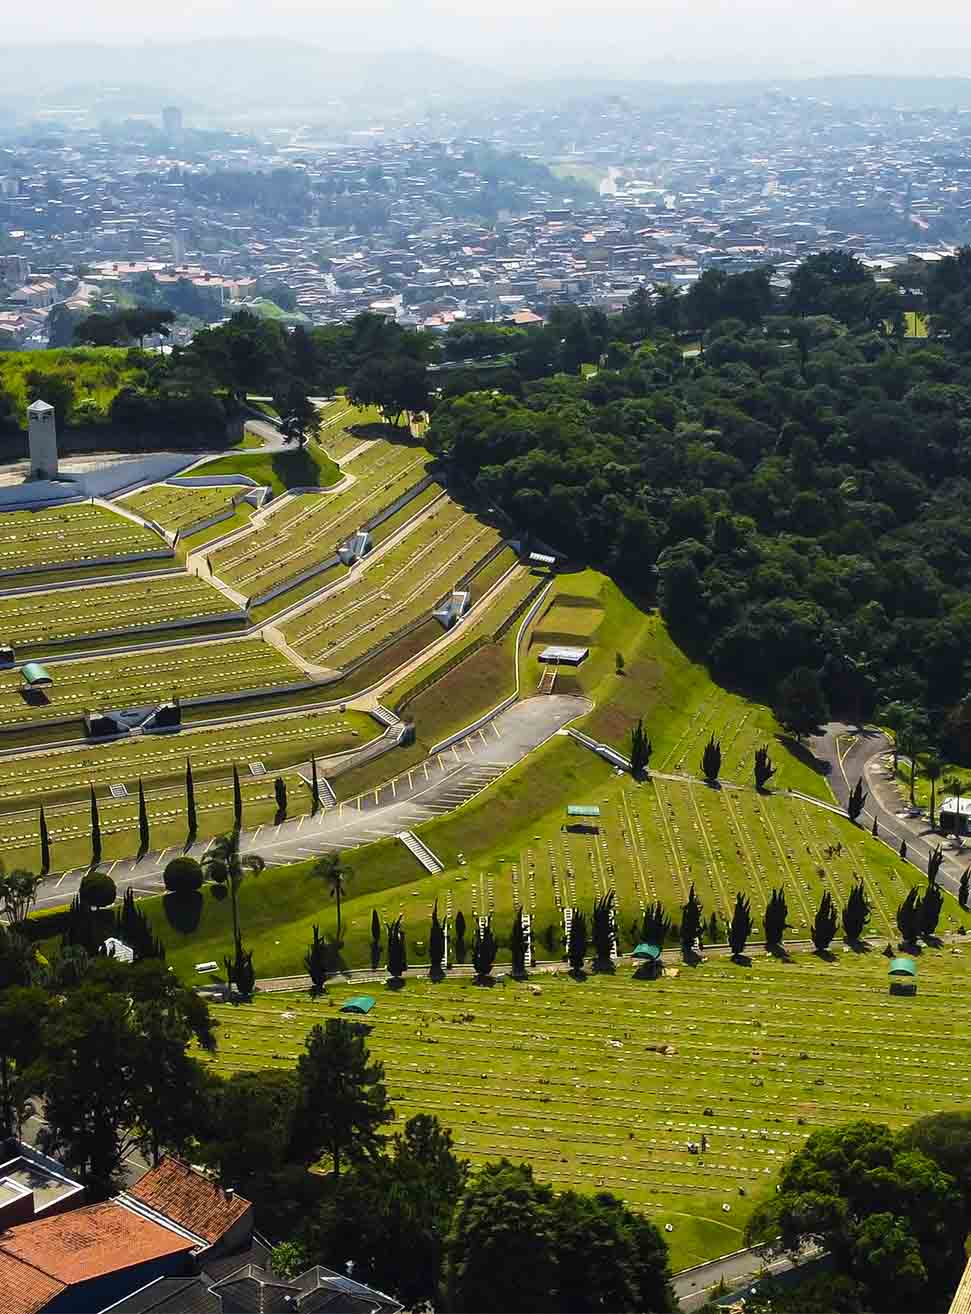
453, 608
42, 440
116, 948
569, 656
955, 814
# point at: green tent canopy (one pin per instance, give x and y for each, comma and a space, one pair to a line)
903, 967
34, 674
649, 952
358, 1004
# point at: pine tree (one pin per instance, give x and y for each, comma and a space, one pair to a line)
640, 749
764, 770
95, 831
315, 961
711, 760
484, 948
134, 928
576, 945
909, 917
280, 793
342, 1102
602, 925
824, 923
934, 861
144, 838
460, 937
436, 943
776, 914
517, 943
45, 845
240, 971
858, 797
656, 924
397, 950
930, 910
741, 925
192, 819
856, 912
314, 787
692, 920
237, 802
964, 887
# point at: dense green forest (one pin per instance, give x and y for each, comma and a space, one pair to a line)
794, 496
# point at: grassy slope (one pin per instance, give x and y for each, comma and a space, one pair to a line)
308, 467
96, 372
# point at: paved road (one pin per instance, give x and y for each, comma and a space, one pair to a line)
852, 752
433, 787
693, 1287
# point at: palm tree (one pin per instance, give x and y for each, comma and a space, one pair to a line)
933, 768
332, 871
224, 863
910, 740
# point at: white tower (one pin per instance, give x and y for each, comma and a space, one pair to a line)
42, 439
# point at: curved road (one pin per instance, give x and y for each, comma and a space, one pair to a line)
852, 752
433, 787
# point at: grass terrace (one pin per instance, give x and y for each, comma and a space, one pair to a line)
401, 587
143, 678
602, 1084
65, 773
35, 620
176, 508
76, 534
344, 427
305, 467
308, 529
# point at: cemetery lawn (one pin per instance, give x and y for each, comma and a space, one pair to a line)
307, 467
603, 1083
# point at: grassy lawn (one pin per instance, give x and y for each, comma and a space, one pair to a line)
603, 1083
143, 678
76, 534
397, 589
300, 468
308, 529
33, 620
176, 508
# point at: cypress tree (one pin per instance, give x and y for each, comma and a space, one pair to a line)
711, 760
375, 925
858, 797
964, 887
824, 923
315, 961
460, 937
934, 860
190, 802
776, 912
517, 944
484, 948
640, 749
930, 910
314, 787
237, 802
602, 926
576, 945
280, 793
656, 924
692, 920
741, 925
856, 912
45, 845
909, 917
143, 834
764, 770
397, 950
95, 831
436, 943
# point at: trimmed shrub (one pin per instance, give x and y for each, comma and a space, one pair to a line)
98, 890
182, 876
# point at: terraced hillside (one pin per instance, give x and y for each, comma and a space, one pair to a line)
112, 682
177, 508
306, 530
76, 534
34, 620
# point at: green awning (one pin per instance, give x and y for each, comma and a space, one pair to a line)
581, 810
33, 673
358, 1004
903, 967
650, 951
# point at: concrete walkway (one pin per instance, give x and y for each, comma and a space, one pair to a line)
434, 787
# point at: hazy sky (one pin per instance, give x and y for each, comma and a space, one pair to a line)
689, 38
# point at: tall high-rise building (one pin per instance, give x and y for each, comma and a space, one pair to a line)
172, 122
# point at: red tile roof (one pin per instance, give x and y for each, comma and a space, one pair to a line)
25, 1289
190, 1199
89, 1242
